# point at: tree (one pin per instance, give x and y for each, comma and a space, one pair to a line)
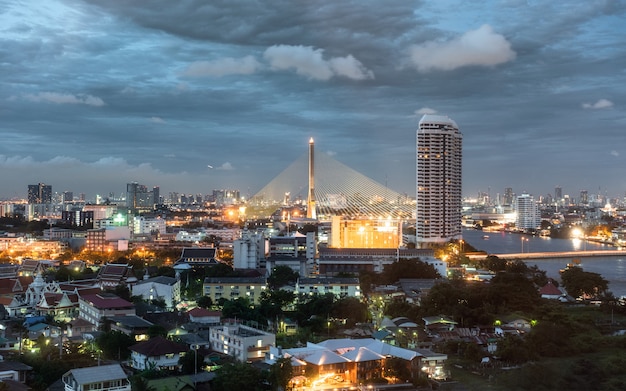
408, 268
139, 383
280, 374
578, 282
157, 330
192, 362
237, 376
281, 276
204, 302
351, 309
114, 345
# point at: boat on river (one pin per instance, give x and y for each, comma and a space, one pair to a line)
574, 264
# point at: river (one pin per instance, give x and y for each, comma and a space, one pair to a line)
612, 268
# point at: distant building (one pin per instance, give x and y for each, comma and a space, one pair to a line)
148, 225
528, 216
438, 181
139, 199
297, 252
39, 194
249, 250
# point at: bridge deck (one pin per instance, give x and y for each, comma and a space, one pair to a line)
553, 255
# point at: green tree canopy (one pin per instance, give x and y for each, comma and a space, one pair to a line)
578, 282
237, 376
281, 276
408, 268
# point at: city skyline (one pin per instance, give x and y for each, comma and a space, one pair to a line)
188, 97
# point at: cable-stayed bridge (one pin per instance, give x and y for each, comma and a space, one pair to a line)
339, 190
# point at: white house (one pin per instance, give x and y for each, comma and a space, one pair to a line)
159, 288
242, 342
99, 378
158, 352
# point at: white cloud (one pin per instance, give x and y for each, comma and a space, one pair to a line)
614, 153
425, 110
157, 120
223, 66
331, 153
600, 104
309, 62
55, 97
350, 67
226, 167
481, 47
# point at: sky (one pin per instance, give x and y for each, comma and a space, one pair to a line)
196, 95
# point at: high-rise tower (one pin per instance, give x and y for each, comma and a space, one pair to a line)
438, 181
310, 203
39, 194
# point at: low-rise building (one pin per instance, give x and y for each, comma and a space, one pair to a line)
98, 378
241, 342
339, 287
159, 288
95, 308
158, 353
234, 287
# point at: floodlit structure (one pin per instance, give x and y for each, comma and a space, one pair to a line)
438, 181
310, 211
528, 216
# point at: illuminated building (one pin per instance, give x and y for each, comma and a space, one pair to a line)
310, 211
231, 288
365, 233
438, 181
241, 342
39, 194
139, 199
528, 216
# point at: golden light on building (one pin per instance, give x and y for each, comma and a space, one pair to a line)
366, 233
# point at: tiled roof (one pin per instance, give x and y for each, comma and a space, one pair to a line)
158, 346
202, 312
159, 280
550, 289
104, 301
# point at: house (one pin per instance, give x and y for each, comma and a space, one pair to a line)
242, 342
132, 325
157, 352
14, 370
434, 324
100, 378
550, 291
159, 288
204, 316
78, 326
94, 308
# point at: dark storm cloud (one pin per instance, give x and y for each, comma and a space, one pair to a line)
156, 91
